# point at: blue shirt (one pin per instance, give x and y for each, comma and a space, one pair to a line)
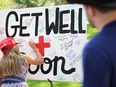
99, 58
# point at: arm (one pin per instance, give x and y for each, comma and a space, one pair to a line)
36, 61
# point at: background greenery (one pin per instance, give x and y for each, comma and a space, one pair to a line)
11, 4
16, 4
91, 31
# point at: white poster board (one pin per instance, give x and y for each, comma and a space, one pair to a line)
60, 34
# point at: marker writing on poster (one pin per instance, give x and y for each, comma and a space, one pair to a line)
57, 26
50, 63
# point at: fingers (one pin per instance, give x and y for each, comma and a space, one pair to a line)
32, 44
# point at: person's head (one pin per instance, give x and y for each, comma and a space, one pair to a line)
96, 8
10, 62
101, 5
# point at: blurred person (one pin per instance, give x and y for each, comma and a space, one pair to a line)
99, 55
14, 64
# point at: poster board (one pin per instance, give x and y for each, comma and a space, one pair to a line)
59, 31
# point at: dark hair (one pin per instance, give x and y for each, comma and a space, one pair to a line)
102, 9
102, 5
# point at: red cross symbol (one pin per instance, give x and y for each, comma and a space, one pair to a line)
41, 45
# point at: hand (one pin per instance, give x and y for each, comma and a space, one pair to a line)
32, 44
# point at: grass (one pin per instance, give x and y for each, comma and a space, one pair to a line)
40, 83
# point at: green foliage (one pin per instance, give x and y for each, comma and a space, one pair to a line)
15, 4
59, 2
5, 4
27, 3
36, 3
30, 3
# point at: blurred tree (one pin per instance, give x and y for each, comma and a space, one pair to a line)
15, 4
30, 3
36, 3
5, 4
59, 2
